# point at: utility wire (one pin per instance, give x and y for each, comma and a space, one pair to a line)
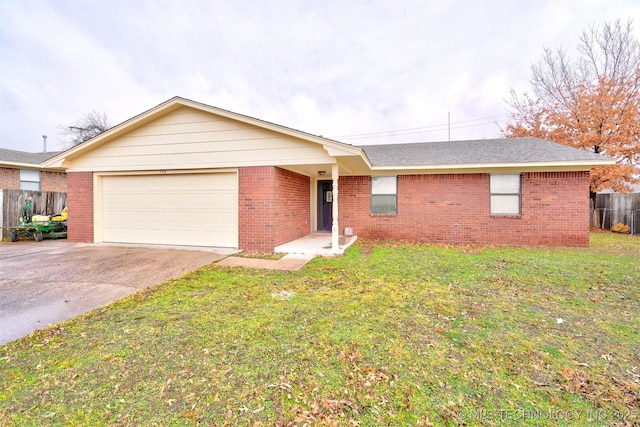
423, 129
418, 132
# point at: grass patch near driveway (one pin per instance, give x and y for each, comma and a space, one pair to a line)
389, 334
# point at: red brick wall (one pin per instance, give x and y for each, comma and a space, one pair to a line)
455, 208
273, 207
9, 179
255, 208
53, 181
49, 181
559, 203
80, 205
292, 211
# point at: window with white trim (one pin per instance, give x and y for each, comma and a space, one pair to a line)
384, 190
505, 194
29, 180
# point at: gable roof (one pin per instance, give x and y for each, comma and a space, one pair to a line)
18, 159
426, 157
334, 148
485, 152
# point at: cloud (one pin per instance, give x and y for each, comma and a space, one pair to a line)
332, 67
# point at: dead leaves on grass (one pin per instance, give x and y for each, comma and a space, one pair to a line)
328, 412
365, 389
576, 381
603, 391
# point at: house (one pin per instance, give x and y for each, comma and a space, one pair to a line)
22, 176
186, 173
20, 170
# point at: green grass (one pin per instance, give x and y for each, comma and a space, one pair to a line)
389, 334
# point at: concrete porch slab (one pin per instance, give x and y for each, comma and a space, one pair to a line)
316, 244
299, 253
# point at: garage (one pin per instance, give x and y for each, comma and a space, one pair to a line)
189, 174
190, 209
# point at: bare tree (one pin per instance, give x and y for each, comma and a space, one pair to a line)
90, 125
592, 103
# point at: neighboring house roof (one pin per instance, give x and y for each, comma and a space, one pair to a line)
18, 159
506, 151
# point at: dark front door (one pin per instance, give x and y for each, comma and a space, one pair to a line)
325, 205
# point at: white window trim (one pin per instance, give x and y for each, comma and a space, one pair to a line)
395, 194
30, 176
510, 194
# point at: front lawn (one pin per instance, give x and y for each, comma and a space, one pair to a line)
389, 334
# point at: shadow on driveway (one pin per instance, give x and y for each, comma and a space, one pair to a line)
54, 280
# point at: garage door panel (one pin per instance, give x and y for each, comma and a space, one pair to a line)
189, 209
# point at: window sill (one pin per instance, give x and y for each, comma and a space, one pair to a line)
508, 216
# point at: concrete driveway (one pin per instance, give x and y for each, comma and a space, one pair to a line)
54, 280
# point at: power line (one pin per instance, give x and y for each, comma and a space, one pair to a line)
422, 129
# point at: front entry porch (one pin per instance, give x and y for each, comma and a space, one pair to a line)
318, 243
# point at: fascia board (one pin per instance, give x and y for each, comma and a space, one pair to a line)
20, 165
576, 166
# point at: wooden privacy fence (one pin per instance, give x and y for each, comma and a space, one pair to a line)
44, 203
614, 208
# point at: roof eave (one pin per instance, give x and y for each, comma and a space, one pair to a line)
565, 165
23, 165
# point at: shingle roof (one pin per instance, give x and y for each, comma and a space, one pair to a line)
484, 151
14, 156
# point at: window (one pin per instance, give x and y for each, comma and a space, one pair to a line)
505, 194
29, 180
383, 194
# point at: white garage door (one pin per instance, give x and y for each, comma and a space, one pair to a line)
189, 209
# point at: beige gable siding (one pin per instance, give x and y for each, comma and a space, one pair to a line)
188, 138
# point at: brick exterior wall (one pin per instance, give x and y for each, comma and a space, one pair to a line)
255, 207
53, 181
9, 178
80, 205
292, 213
49, 181
274, 207
455, 208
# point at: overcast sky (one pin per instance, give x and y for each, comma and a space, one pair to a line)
362, 72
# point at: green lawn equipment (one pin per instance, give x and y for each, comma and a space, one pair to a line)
39, 227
